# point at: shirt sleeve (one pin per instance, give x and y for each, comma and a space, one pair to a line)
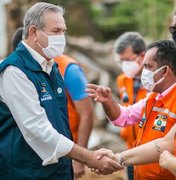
75, 82
20, 95
131, 114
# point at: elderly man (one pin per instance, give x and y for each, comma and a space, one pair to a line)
80, 109
33, 106
155, 114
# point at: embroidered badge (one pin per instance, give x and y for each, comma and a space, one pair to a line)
125, 97
43, 90
59, 90
142, 120
160, 123
45, 94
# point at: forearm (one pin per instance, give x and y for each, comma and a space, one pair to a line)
80, 154
111, 109
172, 165
147, 153
85, 127
84, 109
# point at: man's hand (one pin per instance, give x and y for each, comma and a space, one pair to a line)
107, 162
79, 169
99, 93
165, 158
105, 165
103, 95
106, 152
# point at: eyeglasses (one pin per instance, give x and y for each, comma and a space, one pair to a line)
172, 29
134, 58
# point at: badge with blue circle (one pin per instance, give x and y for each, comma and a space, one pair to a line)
160, 123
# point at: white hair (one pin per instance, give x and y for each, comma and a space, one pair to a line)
34, 16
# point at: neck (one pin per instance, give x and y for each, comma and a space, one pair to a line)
166, 84
36, 47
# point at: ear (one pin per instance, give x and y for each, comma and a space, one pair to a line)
166, 71
33, 32
141, 58
142, 54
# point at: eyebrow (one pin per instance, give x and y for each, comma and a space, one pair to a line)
59, 28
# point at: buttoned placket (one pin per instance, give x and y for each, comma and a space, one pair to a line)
47, 66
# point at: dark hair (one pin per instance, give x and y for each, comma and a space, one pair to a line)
133, 39
17, 37
166, 53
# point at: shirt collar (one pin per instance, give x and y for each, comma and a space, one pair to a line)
163, 94
46, 65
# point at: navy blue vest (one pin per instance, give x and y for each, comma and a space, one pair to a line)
17, 159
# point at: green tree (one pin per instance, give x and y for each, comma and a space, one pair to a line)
146, 16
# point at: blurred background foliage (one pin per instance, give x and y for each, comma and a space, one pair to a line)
106, 19
103, 20
92, 27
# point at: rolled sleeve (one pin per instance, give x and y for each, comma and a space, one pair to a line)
63, 147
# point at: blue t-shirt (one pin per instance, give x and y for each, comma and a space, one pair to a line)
75, 82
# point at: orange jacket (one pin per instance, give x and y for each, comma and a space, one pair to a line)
175, 144
157, 119
126, 87
175, 147
63, 61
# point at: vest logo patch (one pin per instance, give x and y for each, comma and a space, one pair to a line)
43, 90
46, 97
45, 94
142, 120
59, 90
160, 123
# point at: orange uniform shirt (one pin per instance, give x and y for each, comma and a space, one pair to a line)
157, 119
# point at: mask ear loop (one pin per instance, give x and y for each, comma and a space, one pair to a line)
44, 35
160, 80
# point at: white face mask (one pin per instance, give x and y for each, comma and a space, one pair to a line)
56, 45
147, 78
130, 68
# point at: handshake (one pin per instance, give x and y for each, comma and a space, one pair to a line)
105, 162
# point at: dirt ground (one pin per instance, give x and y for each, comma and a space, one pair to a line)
109, 140
92, 176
